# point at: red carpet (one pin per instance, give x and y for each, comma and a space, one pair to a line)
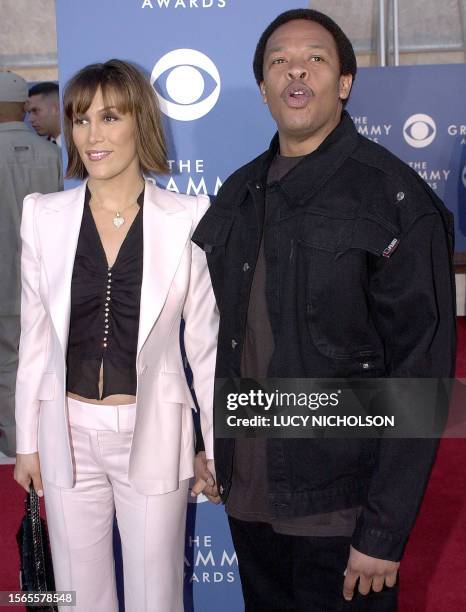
433, 572
12, 511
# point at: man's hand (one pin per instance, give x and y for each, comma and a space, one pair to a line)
204, 473
371, 572
27, 468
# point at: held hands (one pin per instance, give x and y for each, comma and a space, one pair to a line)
372, 573
27, 468
204, 473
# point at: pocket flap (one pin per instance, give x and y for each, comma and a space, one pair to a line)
374, 237
46, 390
175, 389
213, 230
338, 235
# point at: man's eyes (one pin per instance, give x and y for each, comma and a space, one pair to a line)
314, 58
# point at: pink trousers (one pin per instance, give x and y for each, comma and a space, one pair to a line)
80, 521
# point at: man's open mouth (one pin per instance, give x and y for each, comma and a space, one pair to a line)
297, 95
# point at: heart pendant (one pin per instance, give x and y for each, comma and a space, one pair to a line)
118, 221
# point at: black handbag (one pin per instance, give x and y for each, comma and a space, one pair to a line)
36, 569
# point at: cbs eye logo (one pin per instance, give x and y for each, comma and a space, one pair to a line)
464, 176
419, 130
180, 78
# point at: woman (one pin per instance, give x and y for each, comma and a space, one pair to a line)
108, 271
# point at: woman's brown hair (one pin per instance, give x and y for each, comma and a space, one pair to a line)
131, 93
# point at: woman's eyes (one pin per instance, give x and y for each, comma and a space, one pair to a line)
105, 119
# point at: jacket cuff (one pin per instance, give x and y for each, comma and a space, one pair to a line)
26, 439
378, 543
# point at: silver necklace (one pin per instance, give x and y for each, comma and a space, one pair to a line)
118, 219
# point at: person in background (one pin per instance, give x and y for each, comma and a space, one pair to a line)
43, 108
103, 409
27, 163
330, 258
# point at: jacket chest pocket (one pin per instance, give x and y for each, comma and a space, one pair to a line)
334, 263
212, 232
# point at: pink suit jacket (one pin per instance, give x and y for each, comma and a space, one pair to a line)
176, 284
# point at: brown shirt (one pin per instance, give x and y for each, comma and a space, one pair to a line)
247, 500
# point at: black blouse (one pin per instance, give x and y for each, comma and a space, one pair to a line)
104, 320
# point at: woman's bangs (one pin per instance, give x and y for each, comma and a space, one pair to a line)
116, 94
80, 96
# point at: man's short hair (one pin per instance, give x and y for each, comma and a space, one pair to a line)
344, 47
46, 88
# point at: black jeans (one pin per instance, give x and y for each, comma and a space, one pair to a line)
281, 573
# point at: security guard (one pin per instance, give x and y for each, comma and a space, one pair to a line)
28, 164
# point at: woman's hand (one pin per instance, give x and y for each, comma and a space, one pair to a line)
27, 468
204, 473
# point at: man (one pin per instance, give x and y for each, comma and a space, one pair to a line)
329, 257
44, 111
27, 164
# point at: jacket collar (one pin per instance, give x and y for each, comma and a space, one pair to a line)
315, 169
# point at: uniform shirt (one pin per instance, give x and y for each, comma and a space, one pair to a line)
28, 164
247, 500
104, 321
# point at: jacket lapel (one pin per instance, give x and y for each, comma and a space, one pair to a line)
167, 227
59, 226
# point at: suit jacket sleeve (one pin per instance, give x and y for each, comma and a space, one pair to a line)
413, 304
34, 333
201, 319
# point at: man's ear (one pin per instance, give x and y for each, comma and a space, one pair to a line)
346, 81
263, 91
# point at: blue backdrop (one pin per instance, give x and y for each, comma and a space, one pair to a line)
419, 113
198, 54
